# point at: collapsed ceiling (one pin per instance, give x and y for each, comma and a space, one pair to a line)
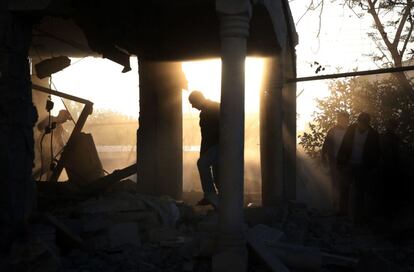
152, 30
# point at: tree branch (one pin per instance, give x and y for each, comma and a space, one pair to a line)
407, 39
400, 28
381, 29
320, 19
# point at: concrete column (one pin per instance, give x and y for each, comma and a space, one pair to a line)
17, 117
160, 128
271, 133
231, 255
147, 131
169, 132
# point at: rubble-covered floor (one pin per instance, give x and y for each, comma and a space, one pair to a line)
122, 230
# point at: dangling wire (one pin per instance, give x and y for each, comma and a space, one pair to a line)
41, 156
51, 151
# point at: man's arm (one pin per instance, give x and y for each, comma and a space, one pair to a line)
327, 144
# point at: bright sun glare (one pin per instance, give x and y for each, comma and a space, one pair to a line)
205, 76
101, 81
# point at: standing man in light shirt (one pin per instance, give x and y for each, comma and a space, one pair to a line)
358, 158
330, 148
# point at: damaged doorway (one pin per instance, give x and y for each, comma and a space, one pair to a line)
112, 124
205, 76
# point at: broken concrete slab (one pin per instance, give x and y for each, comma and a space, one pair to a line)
333, 259
98, 186
94, 223
209, 223
256, 238
166, 209
115, 236
259, 215
65, 238
123, 234
116, 203
45, 233
266, 234
33, 254
163, 234
296, 256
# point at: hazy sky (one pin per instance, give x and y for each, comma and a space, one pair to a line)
342, 45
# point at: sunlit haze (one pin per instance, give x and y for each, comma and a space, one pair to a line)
205, 76
101, 81
341, 46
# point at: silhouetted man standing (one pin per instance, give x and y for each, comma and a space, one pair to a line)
358, 157
330, 148
208, 162
392, 191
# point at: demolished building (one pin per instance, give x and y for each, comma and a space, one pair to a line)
132, 226
161, 34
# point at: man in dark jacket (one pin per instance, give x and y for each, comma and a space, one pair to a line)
330, 148
391, 172
208, 161
358, 158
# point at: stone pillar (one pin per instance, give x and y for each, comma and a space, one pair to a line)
17, 117
231, 252
171, 81
147, 131
271, 135
160, 128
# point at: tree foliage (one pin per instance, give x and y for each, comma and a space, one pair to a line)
382, 99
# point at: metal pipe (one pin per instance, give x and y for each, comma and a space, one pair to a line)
349, 74
60, 94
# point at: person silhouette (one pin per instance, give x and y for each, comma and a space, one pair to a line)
329, 154
391, 171
207, 164
358, 158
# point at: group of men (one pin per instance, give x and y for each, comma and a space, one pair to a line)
354, 153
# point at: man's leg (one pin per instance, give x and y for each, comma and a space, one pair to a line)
215, 167
344, 179
359, 207
335, 187
204, 164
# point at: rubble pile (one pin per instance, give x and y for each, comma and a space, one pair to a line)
119, 230
122, 230
296, 238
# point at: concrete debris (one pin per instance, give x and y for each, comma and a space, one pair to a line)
332, 259
101, 184
306, 240
64, 236
295, 256
256, 238
166, 209
124, 234
119, 203
122, 230
33, 254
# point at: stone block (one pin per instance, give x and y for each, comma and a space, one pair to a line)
256, 238
230, 261
110, 205
163, 234
124, 233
